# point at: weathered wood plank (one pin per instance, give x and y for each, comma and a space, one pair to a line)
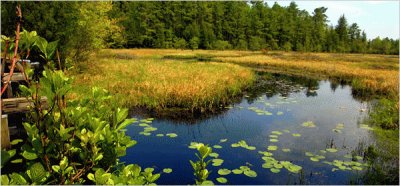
5, 133
15, 77
16, 105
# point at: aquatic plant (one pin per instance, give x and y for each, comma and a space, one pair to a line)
200, 166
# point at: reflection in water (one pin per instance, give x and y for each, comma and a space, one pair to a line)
276, 104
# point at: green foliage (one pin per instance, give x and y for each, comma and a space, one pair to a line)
180, 43
47, 49
200, 166
72, 139
194, 43
385, 113
221, 45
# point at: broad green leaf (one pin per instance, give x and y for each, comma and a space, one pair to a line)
250, 173
224, 172
222, 180
16, 141
167, 170
29, 155
237, 171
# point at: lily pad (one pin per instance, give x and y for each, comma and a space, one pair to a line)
222, 180
357, 168
296, 135
144, 124
160, 135
286, 150
279, 113
274, 170
224, 172
214, 155
171, 135
287, 131
308, 124
251, 148
167, 170
331, 150
267, 165
314, 159
272, 147
217, 146
276, 132
309, 154
250, 173
273, 140
273, 136
223, 140
237, 171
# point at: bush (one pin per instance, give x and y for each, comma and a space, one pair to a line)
73, 142
385, 113
194, 43
221, 45
180, 43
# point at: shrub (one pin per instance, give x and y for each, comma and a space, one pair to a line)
221, 45
385, 113
73, 142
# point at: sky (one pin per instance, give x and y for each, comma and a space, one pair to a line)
376, 18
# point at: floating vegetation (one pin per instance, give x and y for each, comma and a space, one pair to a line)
167, 170
308, 124
223, 140
273, 136
279, 113
217, 162
338, 128
286, 150
346, 165
331, 150
195, 145
248, 172
322, 151
214, 155
243, 144
275, 166
309, 154
237, 171
145, 133
259, 111
265, 153
272, 148
224, 172
171, 135
363, 126
160, 135
296, 135
286, 130
276, 132
273, 140
144, 124
217, 146
222, 180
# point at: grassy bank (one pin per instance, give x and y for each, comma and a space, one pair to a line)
145, 79
377, 74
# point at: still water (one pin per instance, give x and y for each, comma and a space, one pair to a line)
303, 118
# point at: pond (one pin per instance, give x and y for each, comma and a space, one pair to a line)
286, 123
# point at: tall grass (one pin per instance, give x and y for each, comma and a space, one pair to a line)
162, 83
375, 73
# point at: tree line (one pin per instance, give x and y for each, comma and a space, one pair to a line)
236, 25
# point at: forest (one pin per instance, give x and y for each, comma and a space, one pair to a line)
240, 25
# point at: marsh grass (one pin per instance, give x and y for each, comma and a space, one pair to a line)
157, 83
377, 74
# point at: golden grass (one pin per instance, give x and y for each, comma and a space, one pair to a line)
377, 73
161, 83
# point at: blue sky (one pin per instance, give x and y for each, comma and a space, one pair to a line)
376, 18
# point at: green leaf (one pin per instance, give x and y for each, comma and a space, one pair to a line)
55, 168
171, 135
37, 173
223, 140
250, 173
217, 146
204, 151
331, 150
214, 155
222, 180
167, 170
16, 161
154, 178
90, 176
29, 155
224, 172
237, 171
5, 180
274, 170
17, 179
272, 147
124, 124
16, 141
207, 182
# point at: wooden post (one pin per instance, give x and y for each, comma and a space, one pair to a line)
5, 133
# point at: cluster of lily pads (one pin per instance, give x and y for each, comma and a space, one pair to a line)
274, 165
243, 144
147, 129
338, 128
346, 165
315, 157
241, 170
308, 124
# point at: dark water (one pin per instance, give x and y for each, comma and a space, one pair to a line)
297, 100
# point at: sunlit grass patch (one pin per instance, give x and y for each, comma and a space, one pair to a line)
159, 84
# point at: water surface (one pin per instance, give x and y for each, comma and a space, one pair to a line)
288, 103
